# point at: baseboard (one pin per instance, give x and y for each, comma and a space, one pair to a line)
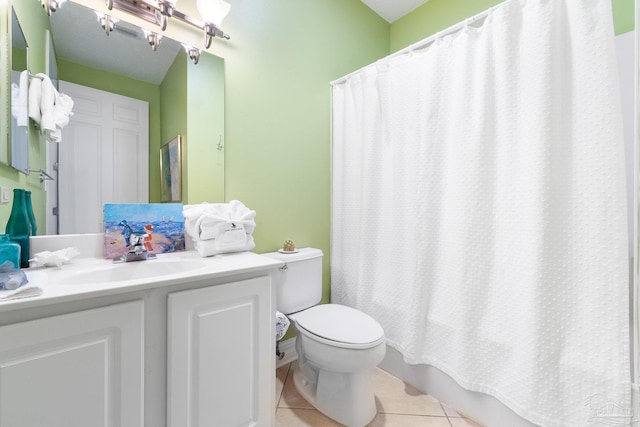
288, 347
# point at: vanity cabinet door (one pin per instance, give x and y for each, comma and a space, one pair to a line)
220, 358
74, 370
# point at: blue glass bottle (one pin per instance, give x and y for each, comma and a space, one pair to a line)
18, 226
9, 251
32, 218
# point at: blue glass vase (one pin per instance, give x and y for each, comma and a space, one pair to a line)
18, 226
9, 251
32, 218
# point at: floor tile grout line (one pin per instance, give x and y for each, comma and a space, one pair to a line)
283, 384
413, 415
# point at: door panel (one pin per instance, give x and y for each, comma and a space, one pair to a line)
103, 157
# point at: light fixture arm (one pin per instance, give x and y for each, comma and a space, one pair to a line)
159, 14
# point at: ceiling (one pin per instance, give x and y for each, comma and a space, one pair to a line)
78, 38
391, 10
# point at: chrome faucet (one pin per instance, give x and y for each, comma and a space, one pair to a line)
136, 251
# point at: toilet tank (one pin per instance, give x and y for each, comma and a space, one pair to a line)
299, 282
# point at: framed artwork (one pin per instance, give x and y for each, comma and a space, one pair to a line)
171, 170
161, 226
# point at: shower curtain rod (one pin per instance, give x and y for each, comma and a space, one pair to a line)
424, 42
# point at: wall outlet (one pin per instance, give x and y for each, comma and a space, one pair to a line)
4, 195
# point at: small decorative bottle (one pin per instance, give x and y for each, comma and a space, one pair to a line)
18, 226
32, 218
9, 251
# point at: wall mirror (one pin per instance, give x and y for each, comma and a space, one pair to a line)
19, 129
86, 55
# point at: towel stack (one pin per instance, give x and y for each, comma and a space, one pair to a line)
217, 228
49, 108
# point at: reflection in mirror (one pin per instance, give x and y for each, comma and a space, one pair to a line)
129, 100
50, 60
19, 135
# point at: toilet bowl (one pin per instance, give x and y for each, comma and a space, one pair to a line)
337, 346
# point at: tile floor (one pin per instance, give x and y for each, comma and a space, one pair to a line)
399, 405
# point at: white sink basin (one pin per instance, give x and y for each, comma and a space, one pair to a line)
138, 270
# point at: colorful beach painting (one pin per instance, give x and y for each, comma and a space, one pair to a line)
161, 223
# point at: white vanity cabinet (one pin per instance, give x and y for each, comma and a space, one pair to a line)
74, 370
108, 345
220, 355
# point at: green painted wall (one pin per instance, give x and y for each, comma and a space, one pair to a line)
278, 65
437, 15
115, 83
193, 106
33, 20
205, 115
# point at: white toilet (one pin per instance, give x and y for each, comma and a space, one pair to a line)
337, 346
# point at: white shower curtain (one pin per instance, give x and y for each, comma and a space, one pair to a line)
479, 209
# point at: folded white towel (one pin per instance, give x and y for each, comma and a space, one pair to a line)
25, 291
19, 96
207, 248
208, 221
15, 96
35, 95
23, 95
55, 136
47, 102
62, 110
23, 119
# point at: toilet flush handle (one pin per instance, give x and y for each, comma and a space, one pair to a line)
284, 268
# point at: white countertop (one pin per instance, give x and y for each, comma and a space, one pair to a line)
93, 277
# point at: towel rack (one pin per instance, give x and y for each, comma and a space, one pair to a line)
43, 175
33, 76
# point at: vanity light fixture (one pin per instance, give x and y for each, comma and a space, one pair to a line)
152, 38
161, 11
158, 13
193, 52
107, 22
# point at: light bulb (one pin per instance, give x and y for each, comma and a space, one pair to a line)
213, 11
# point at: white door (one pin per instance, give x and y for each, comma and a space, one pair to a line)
74, 370
221, 355
103, 157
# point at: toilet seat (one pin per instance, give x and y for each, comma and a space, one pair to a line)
340, 326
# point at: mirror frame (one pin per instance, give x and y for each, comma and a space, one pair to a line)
18, 148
